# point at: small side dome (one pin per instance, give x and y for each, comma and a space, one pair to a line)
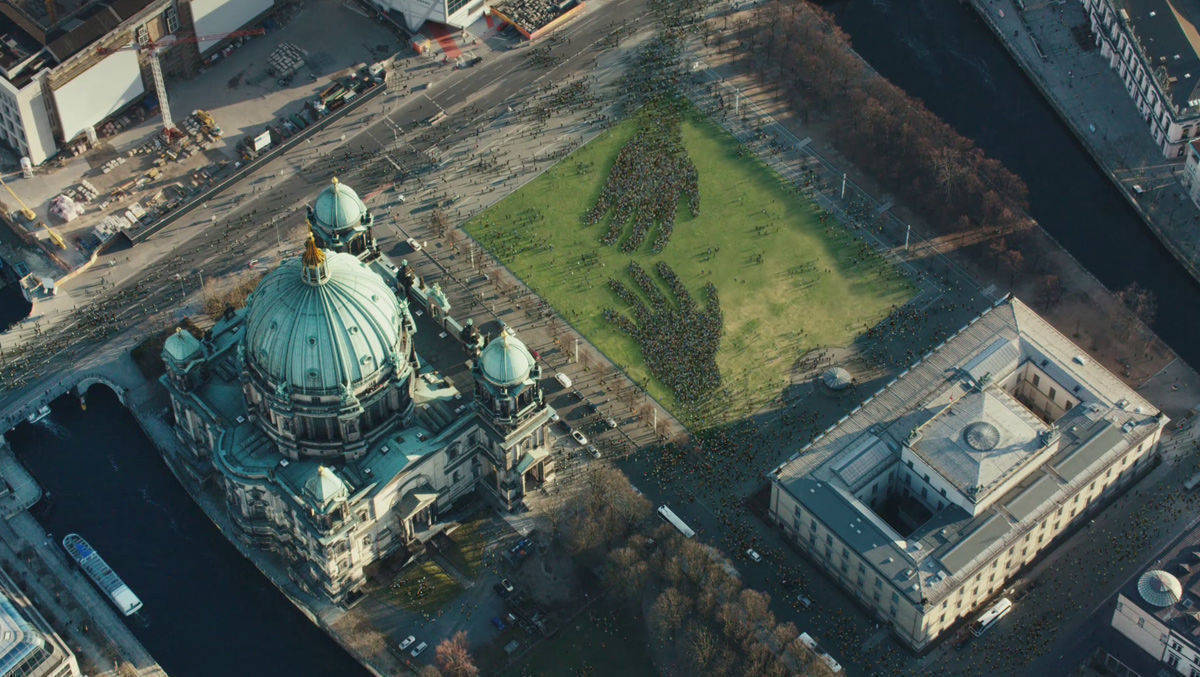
338, 207
1159, 588
325, 487
505, 361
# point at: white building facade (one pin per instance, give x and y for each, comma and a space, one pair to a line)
63, 74
927, 498
1152, 45
335, 444
453, 13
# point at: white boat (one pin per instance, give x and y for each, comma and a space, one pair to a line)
101, 574
39, 414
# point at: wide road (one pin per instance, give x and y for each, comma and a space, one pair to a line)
252, 219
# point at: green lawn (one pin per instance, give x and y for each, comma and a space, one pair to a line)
466, 551
424, 587
595, 643
815, 286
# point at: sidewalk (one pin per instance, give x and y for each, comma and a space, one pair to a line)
23, 492
90, 609
1091, 99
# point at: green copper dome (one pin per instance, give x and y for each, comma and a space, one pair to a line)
324, 322
505, 361
338, 207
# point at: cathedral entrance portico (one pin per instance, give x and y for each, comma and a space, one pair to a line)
418, 511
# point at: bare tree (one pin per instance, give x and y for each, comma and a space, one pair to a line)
454, 656
1142, 306
439, 224
1050, 290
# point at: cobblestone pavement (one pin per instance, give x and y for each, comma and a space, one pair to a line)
1091, 99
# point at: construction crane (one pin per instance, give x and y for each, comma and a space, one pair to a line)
152, 50
32, 217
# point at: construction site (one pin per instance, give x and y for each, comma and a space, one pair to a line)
194, 107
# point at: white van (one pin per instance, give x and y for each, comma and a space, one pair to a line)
562, 379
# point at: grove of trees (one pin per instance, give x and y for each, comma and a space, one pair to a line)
699, 616
878, 126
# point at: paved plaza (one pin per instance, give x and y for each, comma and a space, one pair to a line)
1091, 99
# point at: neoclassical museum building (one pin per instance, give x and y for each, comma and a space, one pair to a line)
333, 442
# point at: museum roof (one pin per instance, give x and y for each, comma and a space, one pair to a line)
1167, 32
1019, 466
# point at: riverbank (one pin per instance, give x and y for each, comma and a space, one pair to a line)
1045, 42
1082, 307
147, 401
99, 638
100, 476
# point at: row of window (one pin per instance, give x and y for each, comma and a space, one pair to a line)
995, 577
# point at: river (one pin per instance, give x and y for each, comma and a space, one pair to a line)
940, 52
207, 611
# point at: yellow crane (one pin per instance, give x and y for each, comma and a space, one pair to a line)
32, 217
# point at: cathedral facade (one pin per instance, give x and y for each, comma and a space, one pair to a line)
333, 443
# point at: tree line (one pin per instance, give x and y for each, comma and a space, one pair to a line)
878, 126
698, 616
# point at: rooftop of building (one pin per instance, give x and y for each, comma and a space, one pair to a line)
24, 635
1169, 37
440, 412
27, 28
1177, 563
18, 638
958, 411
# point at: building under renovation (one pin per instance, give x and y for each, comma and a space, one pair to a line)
68, 65
928, 497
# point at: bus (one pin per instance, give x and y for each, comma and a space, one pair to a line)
988, 618
670, 516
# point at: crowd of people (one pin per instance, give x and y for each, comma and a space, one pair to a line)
651, 174
531, 15
678, 337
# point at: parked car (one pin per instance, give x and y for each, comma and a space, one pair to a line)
417, 651
593, 450
579, 437
611, 423
407, 642
416, 246
504, 587
753, 555
499, 623
563, 379
521, 549
804, 601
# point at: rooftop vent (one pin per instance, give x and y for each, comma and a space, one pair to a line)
383, 449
